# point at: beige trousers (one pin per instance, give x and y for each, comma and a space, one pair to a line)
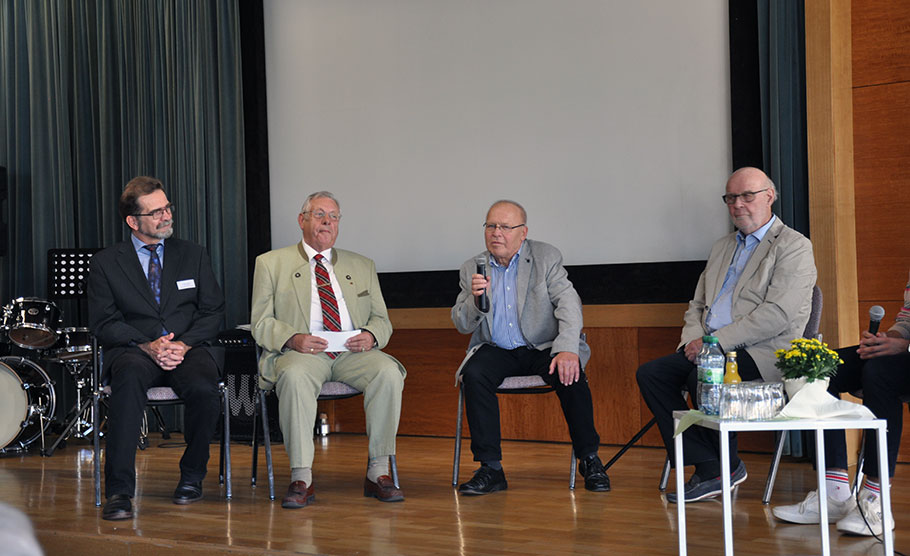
299, 379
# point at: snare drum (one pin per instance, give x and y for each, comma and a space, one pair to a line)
33, 322
26, 393
73, 344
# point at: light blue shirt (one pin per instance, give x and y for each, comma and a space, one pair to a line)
506, 331
145, 255
721, 311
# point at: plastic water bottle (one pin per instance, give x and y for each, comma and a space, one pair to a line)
710, 364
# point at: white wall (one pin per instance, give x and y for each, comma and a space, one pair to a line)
608, 119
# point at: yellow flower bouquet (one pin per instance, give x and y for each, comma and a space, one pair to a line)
809, 359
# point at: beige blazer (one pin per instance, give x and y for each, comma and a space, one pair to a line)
281, 299
771, 301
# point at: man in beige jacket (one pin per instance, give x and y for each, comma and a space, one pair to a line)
754, 295
301, 295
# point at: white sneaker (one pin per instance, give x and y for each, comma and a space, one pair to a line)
807, 510
854, 523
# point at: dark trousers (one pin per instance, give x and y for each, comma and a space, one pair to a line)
883, 381
661, 383
486, 370
131, 375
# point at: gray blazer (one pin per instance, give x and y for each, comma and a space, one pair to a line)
549, 309
771, 300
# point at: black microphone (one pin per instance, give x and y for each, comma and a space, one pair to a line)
483, 300
876, 313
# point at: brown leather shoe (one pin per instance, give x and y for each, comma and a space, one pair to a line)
299, 495
383, 489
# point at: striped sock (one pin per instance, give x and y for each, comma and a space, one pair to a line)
872, 488
837, 483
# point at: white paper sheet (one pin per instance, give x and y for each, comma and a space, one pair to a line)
336, 340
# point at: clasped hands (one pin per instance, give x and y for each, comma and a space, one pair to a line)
308, 343
166, 352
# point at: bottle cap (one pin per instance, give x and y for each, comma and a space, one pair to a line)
709, 339
731, 354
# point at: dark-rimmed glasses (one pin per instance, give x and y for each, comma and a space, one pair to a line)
158, 214
746, 196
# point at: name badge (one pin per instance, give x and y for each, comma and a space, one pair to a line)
186, 284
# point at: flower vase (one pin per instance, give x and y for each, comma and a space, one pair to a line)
794, 385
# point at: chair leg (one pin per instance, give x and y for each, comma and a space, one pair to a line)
573, 469
456, 463
266, 438
393, 465
255, 441
165, 434
775, 464
96, 447
226, 444
858, 480
665, 475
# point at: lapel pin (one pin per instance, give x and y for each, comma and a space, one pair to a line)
348, 276
297, 275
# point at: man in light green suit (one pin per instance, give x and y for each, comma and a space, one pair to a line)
302, 294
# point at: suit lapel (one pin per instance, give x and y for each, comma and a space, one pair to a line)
128, 261
715, 277
173, 255
348, 284
525, 257
303, 284
761, 251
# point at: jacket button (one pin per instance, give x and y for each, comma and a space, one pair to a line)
297, 275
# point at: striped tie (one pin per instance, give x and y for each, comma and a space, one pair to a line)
331, 319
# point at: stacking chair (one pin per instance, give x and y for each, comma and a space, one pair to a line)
511, 385
157, 396
330, 391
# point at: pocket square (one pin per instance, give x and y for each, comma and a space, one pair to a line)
364, 293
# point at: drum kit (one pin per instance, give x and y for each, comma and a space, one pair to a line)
27, 396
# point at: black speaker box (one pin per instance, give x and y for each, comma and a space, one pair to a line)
240, 379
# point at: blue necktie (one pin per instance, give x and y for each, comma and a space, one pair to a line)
154, 274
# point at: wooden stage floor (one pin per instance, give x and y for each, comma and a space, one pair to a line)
537, 515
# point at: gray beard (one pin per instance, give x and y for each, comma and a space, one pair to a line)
163, 234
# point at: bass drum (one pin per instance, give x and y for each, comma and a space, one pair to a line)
26, 393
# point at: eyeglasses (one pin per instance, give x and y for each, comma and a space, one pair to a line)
158, 214
494, 227
747, 196
320, 214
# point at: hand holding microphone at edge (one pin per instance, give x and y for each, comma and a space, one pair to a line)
876, 344
479, 285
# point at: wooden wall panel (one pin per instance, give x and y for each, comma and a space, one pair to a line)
881, 42
882, 185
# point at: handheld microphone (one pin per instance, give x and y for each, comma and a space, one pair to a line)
876, 313
483, 300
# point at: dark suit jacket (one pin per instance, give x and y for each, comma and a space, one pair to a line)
122, 309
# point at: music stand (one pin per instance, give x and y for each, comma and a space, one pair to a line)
67, 276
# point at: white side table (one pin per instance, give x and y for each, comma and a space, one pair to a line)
725, 427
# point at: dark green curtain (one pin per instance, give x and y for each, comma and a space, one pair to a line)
93, 93
782, 78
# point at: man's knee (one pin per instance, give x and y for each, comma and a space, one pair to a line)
647, 374
389, 376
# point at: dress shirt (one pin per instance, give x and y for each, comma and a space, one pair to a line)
506, 332
721, 312
145, 255
316, 324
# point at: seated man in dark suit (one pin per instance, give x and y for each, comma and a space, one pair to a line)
755, 295
533, 327
155, 307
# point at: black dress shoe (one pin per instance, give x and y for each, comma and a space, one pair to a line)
117, 507
486, 480
697, 489
592, 469
187, 493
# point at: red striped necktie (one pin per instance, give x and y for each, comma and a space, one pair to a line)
331, 319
